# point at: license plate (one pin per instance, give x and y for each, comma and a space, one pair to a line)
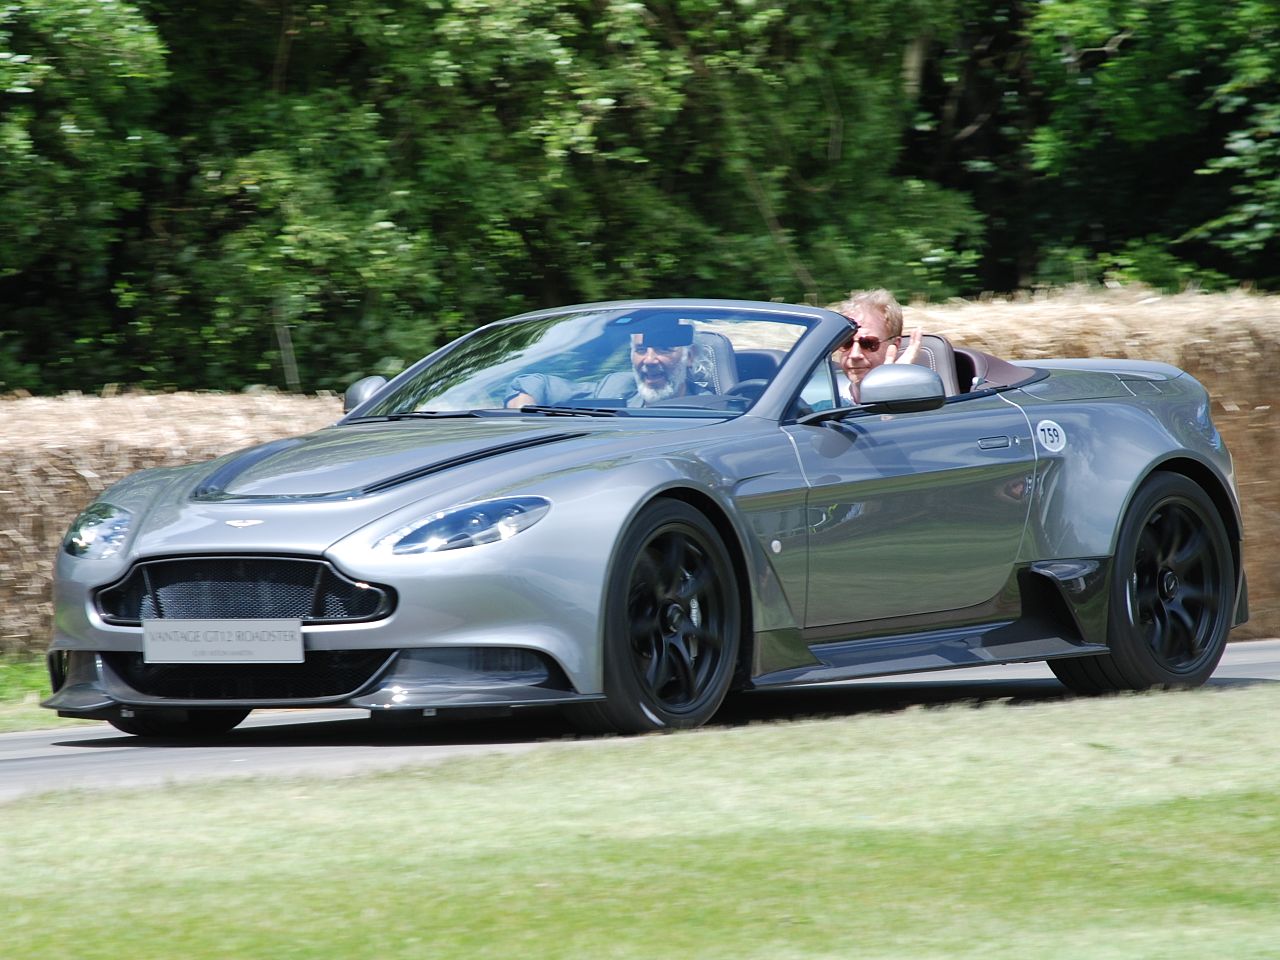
222, 641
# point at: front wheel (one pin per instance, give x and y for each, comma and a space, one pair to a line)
1172, 594
672, 625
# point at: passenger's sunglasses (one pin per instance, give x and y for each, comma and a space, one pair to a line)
868, 342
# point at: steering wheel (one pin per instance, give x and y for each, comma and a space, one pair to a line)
751, 389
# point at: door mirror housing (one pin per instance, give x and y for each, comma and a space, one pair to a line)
901, 388
360, 391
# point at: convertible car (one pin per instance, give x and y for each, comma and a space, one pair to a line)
627, 510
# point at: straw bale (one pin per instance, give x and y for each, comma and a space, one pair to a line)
60, 452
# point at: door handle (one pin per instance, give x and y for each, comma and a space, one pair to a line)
993, 443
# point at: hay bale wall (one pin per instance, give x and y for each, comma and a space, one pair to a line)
60, 452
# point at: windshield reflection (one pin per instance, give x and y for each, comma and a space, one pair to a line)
654, 361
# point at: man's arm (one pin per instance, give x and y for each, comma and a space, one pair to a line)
543, 389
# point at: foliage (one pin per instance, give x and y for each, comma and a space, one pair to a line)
1085, 130
1160, 129
78, 90
202, 195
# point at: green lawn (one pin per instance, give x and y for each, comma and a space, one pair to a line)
1125, 827
23, 682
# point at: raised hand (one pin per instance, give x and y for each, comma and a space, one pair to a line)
909, 353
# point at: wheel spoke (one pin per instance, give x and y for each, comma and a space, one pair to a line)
1173, 533
1160, 631
1190, 553
1149, 552
682, 668
645, 638
658, 674
1182, 630
704, 640
642, 609
1204, 600
1145, 599
673, 551
648, 570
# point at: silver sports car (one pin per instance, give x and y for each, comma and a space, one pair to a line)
627, 510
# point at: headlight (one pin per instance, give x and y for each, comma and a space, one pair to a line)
99, 532
468, 525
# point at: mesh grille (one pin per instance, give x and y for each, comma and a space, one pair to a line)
326, 674
236, 588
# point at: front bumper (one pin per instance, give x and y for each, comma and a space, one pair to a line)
97, 684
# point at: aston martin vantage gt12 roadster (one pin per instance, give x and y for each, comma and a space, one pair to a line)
626, 510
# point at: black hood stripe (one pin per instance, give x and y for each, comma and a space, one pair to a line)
441, 465
214, 487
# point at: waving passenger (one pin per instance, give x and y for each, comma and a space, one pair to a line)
876, 318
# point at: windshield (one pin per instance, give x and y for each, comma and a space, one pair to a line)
666, 361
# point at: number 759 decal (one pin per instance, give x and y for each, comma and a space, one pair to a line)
1051, 436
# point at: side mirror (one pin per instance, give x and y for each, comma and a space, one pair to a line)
901, 388
360, 391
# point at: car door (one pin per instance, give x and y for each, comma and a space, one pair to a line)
914, 513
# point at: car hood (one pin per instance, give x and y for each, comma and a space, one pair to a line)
305, 493
343, 463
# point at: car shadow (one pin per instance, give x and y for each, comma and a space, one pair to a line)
820, 701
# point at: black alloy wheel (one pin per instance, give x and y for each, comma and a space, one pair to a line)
1172, 594
672, 625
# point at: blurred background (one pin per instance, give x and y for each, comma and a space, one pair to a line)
209, 195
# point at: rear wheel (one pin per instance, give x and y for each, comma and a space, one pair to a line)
1172, 592
179, 724
672, 625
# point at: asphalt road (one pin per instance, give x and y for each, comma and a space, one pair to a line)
346, 742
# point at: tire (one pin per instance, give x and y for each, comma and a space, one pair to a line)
672, 625
179, 724
1171, 597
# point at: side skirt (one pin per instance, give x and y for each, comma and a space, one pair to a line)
1058, 609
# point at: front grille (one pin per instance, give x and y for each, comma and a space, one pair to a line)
241, 588
326, 674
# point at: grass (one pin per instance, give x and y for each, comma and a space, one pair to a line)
1126, 827
23, 683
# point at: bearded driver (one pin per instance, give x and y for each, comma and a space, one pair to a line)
661, 359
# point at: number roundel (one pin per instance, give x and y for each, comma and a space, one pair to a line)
1051, 436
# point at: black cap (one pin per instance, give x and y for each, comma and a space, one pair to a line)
664, 330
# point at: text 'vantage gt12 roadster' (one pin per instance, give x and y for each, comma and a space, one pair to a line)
626, 510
